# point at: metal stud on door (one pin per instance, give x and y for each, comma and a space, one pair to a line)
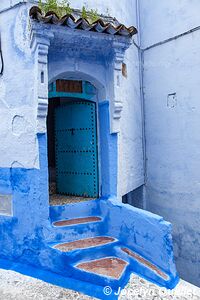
76, 149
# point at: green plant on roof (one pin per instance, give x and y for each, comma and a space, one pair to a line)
84, 13
51, 5
60, 8
93, 15
63, 8
40, 5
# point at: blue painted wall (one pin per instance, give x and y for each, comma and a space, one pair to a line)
22, 235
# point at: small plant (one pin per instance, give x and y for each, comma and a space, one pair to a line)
93, 14
60, 9
84, 12
63, 8
40, 5
51, 5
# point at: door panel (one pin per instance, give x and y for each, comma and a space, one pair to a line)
76, 149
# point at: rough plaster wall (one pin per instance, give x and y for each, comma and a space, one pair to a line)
17, 104
130, 159
172, 128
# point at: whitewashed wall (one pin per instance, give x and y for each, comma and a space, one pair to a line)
172, 125
17, 102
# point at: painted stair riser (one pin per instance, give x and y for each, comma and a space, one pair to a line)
75, 232
81, 255
77, 210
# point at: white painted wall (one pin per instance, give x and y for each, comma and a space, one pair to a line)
163, 19
17, 103
172, 131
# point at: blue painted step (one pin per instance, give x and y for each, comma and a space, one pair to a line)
84, 254
136, 264
68, 233
142, 240
75, 210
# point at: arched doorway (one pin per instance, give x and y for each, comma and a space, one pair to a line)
72, 139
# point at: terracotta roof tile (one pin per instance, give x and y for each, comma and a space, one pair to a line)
74, 21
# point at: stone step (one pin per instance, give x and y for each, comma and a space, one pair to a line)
77, 221
84, 243
111, 267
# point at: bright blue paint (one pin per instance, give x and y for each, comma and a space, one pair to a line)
109, 152
18, 242
40, 254
29, 237
141, 231
76, 149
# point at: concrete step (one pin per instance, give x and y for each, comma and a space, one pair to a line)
64, 234
112, 267
68, 230
84, 243
108, 270
77, 221
81, 250
75, 210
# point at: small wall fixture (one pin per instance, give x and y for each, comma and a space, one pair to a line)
124, 70
171, 100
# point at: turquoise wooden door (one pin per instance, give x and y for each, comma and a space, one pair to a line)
76, 149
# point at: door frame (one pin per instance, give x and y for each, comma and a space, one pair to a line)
92, 98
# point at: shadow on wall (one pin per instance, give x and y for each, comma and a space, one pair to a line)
135, 198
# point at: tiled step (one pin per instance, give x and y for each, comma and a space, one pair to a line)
107, 267
77, 221
84, 243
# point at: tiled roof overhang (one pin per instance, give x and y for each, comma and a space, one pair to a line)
113, 27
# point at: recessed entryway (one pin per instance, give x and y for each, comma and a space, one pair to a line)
72, 147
